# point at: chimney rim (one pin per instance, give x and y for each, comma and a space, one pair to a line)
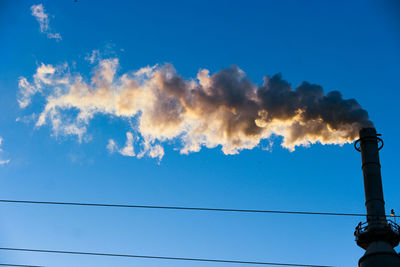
368, 133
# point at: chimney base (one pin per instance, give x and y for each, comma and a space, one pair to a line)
380, 254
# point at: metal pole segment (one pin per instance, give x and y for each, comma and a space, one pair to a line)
372, 177
378, 236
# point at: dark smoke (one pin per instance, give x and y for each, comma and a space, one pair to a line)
223, 109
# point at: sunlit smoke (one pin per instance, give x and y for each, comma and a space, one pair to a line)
43, 19
222, 109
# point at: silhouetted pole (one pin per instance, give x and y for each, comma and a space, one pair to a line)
377, 236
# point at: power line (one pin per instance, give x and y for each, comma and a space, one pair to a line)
18, 265
160, 257
184, 208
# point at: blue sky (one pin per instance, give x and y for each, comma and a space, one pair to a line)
350, 47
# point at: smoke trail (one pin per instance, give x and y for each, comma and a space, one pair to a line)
2, 160
223, 109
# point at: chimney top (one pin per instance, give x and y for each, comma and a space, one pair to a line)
368, 132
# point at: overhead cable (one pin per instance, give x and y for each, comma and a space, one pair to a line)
159, 257
18, 265
185, 208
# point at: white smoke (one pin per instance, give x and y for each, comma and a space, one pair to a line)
44, 22
223, 109
2, 160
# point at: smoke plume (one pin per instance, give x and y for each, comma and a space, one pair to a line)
43, 19
223, 109
2, 160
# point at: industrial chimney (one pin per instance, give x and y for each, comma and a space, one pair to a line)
378, 235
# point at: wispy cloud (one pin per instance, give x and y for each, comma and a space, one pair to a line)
148, 149
39, 13
127, 150
223, 109
2, 161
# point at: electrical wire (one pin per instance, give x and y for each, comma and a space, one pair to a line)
160, 257
18, 265
185, 208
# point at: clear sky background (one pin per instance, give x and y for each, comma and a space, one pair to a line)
350, 46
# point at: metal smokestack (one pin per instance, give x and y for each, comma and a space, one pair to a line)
372, 176
378, 236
